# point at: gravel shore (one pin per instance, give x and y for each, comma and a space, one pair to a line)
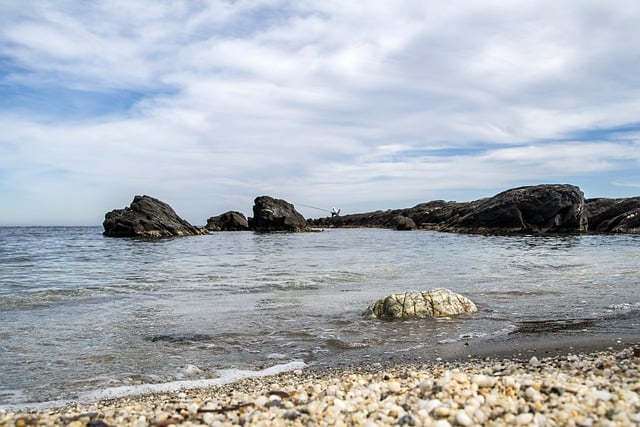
587, 389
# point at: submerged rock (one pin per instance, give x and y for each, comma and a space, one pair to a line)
271, 214
437, 302
147, 217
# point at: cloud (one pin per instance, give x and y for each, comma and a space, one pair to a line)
209, 104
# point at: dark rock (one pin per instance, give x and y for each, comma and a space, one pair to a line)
436, 213
147, 217
228, 221
614, 215
271, 214
401, 222
536, 209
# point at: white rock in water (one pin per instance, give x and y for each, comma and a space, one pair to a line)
190, 370
437, 302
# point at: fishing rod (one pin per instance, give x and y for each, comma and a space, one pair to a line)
333, 211
313, 207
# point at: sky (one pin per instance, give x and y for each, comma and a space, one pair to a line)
382, 104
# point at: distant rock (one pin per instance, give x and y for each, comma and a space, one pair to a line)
614, 215
147, 217
535, 209
271, 214
437, 302
401, 222
228, 221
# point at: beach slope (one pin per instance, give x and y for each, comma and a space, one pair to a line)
598, 388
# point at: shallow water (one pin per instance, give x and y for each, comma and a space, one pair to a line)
80, 312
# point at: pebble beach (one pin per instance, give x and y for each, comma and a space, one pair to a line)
599, 388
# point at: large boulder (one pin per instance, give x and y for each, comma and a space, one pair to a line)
147, 217
535, 209
271, 214
228, 221
401, 222
614, 215
437, 302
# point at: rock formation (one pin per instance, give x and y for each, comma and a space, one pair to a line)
614, 215
538, 209
437, 302
147, 217
228, 221
271, 214
535, 209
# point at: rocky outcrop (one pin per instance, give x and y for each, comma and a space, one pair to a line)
437, 302
271, 214
614, 215
535, 209
538, 209
228, 221
147, 217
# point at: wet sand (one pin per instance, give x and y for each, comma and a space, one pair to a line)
532, 381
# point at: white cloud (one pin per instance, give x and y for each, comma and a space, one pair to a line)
332, 102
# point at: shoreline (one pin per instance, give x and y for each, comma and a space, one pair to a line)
533, 381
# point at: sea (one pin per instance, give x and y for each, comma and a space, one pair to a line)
85, 317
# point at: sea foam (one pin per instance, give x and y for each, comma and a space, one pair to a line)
226, 376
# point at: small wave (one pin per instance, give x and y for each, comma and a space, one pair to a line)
337, 277
523, 293
624, 306
508, 329
344, 345
472, 336
226, 376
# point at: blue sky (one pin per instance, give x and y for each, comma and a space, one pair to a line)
209, 104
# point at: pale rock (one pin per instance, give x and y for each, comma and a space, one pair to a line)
524, 419
480, 416
437, 302
596, 395
463, 419
532, 394
429, 405
483, 381
442, 411
394, 386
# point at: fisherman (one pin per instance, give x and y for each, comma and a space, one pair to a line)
335, 212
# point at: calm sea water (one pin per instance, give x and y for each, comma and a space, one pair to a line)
80, 312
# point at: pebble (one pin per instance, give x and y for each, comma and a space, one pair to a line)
483, 380
586, 389
463, 419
